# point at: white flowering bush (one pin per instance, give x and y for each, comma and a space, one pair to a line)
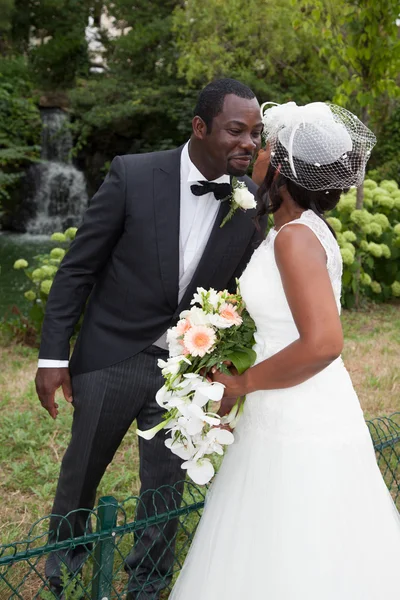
369, 241
41, 273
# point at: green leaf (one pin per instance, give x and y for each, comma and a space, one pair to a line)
347, 277
242, 359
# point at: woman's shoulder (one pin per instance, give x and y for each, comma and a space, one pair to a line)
297, 240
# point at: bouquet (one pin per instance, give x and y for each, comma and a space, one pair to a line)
216, 331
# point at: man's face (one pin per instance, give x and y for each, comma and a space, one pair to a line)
235, 136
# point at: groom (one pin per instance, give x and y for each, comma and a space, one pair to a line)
150, 236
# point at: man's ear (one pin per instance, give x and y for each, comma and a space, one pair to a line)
199, 128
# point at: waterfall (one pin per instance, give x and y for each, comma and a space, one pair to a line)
60, 196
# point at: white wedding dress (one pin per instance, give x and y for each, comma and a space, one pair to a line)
299, 509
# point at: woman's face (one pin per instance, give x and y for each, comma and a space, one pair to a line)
261, 165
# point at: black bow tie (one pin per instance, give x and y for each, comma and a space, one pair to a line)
220, 190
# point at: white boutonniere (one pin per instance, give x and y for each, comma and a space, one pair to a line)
239, 198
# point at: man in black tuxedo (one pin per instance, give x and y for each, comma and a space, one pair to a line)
149, 238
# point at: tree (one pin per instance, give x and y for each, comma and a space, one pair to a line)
360, 43
252, 41
6, 10
19, 135
138, 104
60, 53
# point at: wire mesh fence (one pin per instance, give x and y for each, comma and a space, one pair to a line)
135, 548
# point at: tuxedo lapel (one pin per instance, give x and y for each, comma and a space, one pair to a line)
167, 214
217, 244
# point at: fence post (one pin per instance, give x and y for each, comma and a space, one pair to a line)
104, 550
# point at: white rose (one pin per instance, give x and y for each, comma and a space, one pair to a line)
197, 316
244, 199
220, 322
174, 345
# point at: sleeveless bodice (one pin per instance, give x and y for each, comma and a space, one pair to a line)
263, 293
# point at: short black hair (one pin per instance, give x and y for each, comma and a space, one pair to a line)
211, 99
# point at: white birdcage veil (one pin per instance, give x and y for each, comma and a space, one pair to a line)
319, 146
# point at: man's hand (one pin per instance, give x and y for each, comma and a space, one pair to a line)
47, 382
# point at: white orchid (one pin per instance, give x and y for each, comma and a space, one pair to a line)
233, 416
163, 396
148, 434
200, 471
198, 419
204, 390
188, 425
182, 447
168, 397
216, 438
173, 365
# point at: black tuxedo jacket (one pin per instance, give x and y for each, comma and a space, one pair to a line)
125, 259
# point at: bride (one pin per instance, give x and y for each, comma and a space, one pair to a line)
298, 510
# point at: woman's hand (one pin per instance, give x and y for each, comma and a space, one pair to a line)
231, 382
234, 389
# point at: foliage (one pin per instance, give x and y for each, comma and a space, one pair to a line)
359, 41
370, 242
385, 163
20, 125
6, 9
54, 33
115, 119
139, 103
72, 586
252, 42
41, 273
145, 51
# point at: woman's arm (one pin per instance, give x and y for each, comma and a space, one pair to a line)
302, 265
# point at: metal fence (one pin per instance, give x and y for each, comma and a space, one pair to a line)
112, 530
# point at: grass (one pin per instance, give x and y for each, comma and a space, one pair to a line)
371, 354
32, 444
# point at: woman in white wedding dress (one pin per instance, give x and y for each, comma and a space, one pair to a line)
299, 509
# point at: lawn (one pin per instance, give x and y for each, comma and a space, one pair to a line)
32, 444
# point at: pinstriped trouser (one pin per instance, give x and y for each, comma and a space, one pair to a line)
106, 402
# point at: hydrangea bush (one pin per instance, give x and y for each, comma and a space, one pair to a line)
369, 241
40, 273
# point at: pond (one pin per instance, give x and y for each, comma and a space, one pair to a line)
14, 283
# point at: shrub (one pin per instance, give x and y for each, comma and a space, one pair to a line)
41, 273
369, 241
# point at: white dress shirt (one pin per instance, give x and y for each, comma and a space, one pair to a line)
197, 218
